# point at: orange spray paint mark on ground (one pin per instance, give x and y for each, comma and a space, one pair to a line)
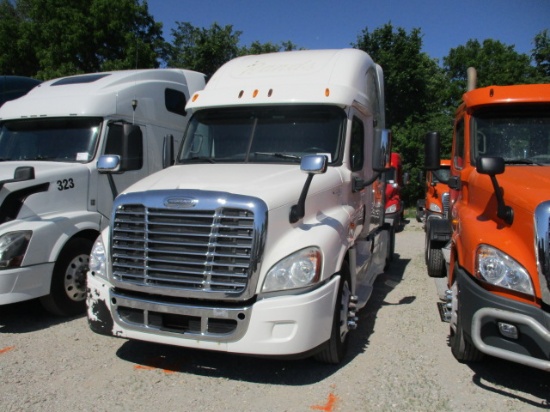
159, 363
6, 349
329, 406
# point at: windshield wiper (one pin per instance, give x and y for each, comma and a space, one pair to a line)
277, 154
521, 161
200, 159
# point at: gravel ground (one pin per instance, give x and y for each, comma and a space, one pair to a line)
398, 360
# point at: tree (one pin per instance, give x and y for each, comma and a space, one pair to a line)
55, 38
495, 63
416, 95
541, 55
413, 81
260, 48
203, 50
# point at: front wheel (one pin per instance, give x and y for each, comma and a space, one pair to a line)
336, 348
461, 347
68, 288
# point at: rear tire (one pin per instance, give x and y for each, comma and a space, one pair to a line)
68, 289
461, 347
336, 348
434, 258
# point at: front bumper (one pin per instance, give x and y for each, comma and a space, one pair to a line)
282, 325
25, 283
482, 311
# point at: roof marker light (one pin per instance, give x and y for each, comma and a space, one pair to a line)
255, 93
241, 93
195, 97
327, 92
270, 92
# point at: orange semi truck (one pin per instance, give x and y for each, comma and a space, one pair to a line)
433, 210
498, 256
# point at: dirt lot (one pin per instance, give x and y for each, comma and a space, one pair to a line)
398, 360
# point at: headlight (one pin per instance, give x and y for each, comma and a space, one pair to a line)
13, 246
298, 270
391, 209
434, 207
499, 269
98, 259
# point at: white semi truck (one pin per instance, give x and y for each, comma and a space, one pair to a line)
268, 233
54, 198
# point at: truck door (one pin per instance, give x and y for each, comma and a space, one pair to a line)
361, 168
369, 205
133, 165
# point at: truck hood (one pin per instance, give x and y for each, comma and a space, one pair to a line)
277, 185
523, 186
56, 187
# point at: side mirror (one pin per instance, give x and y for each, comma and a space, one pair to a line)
20, 174
490, 165
381, 150
432, 148
315, 164
108, 164
312, 165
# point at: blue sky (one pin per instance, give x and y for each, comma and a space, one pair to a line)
320, 24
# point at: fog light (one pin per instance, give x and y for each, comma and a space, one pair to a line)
507, 330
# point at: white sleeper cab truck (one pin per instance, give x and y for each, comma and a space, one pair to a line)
267, 234
55, 143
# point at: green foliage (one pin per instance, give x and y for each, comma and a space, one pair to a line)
206, 50
261, 48
53, 38
203, 50
541, 55
416, 95
495, 63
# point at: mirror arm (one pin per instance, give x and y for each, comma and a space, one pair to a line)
359, 184
504, 212
298, 210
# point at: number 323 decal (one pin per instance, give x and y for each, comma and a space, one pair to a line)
65, 184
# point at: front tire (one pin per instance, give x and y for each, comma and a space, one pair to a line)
68, 288
336, 348
461, 347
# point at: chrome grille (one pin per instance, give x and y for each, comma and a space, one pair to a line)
202, 251
445, 200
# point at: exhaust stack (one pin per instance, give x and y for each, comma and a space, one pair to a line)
472, 78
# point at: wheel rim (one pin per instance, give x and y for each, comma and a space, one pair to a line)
344, 309
75, 278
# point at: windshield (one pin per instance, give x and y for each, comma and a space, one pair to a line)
272, 134
58, 140
519, 134
441, 175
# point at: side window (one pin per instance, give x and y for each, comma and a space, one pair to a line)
130, 151
175, 101
458, 149
357, 146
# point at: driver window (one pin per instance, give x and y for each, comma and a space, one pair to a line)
458, 148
